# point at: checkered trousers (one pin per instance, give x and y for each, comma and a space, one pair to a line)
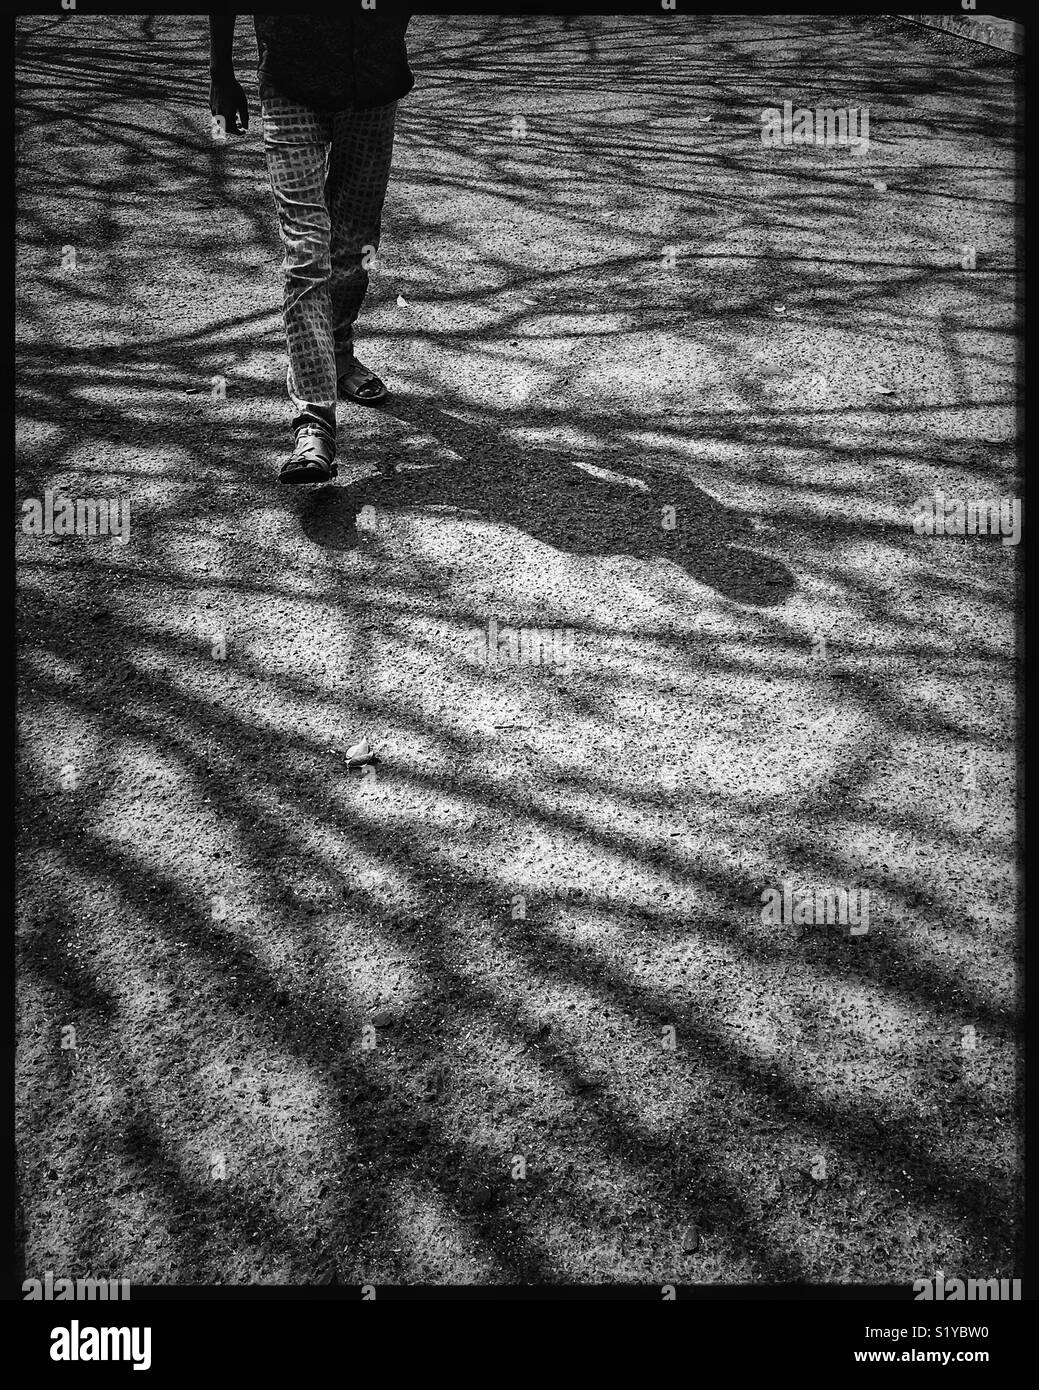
328, 173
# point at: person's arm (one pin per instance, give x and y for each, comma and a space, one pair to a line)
226, 97
221, 43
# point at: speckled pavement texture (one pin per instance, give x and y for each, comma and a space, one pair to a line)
622, 588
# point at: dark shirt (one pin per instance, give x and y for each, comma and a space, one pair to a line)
335, 63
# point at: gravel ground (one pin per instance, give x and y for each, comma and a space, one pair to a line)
502, 1006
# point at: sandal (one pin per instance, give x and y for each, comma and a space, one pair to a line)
361, 386
313, 458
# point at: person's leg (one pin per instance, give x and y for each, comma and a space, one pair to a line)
355, 190
296, 140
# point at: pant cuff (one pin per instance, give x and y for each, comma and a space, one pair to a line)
316, 415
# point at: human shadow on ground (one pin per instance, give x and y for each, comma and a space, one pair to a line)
622, 508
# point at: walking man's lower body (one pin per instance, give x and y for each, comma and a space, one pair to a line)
329, 172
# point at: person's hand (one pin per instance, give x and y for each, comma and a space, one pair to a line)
227, 99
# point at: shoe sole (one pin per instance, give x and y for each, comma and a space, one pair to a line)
309, 473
